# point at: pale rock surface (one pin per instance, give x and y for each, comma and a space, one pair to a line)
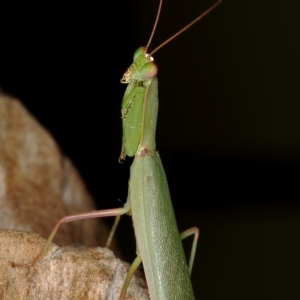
63, 273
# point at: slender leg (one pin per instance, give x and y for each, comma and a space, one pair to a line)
191, 231
113, 230
76, 217
130, 273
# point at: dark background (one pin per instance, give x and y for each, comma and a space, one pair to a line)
228, 128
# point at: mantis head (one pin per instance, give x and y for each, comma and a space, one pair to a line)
143, 68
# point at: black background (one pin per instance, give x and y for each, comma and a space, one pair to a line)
228, 127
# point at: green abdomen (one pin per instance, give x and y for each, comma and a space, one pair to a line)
156, 231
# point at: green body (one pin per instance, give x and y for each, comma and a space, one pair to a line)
157, 236
138, 76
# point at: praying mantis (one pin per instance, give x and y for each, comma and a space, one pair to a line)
149, 203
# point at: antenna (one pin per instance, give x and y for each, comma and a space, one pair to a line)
155, 24
183, 29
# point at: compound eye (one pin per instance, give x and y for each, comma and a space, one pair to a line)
148, 70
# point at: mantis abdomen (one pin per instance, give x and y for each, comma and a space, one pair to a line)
158, 239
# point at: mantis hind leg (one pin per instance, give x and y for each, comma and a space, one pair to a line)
191, 231
130, 273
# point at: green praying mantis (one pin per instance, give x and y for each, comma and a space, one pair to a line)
158, 241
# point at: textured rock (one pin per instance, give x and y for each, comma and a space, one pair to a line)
63, 273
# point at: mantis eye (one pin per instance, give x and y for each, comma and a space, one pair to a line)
138, 52
148, 70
